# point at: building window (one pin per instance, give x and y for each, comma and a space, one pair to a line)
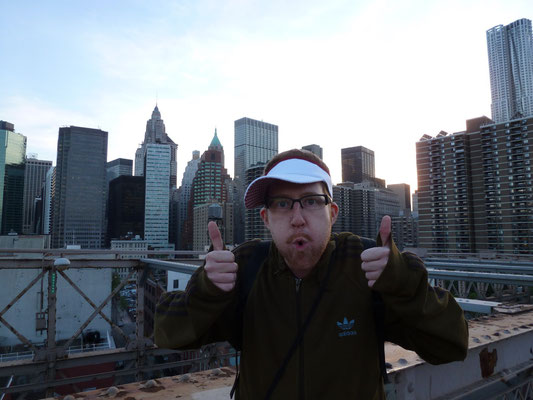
176, 283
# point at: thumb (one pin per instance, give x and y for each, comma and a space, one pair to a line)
215, 236
385, 230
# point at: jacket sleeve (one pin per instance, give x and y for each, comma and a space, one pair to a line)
420, 317
200, 315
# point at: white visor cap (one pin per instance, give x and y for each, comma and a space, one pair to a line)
293, 170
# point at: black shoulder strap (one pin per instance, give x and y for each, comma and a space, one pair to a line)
379, 317
249, 274
299, 337
250, 271
246, 282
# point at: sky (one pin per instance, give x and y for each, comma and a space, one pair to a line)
378, 74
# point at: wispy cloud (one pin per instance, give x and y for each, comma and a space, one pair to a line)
40, 121
340, 73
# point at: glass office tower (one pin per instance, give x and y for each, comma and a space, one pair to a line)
12, 166
156, 209
80, 190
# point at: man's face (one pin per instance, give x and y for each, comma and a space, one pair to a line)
301, 235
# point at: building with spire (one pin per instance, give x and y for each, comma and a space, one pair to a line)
210, 185
156, 134
211, 179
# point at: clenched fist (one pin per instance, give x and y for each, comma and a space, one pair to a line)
375, 259
220, 265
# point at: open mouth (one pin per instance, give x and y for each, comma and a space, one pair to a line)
300, 243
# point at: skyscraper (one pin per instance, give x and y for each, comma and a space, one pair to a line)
475, 188
156, 134
12, 165
48, 194
357, 164
34, 179
510, 50
211, 179
315, 149
254, 227
210, 185
403, 191
80, 188
126, 207
255, 142
119, 167
183, 196
357, 209
157, 198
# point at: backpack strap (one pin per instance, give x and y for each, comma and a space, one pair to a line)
244, 287
247, 280
378, 307
300, 335
250, 272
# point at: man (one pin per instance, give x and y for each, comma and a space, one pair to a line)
308, 326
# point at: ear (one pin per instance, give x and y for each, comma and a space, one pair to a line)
334, 212
264, 216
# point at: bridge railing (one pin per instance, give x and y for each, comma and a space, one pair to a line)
45, 368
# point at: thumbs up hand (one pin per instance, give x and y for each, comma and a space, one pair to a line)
374, 260
220, 265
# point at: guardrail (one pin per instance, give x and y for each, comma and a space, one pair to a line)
42, 364
138, 356
481, 266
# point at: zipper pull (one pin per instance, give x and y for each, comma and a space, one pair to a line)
298, 282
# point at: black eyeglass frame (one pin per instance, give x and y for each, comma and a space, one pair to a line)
326, 197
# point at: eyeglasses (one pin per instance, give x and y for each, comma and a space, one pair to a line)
310, 202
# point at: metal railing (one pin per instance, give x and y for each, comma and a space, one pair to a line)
42, 365
20, 355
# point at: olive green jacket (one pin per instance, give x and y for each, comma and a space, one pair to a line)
338, 357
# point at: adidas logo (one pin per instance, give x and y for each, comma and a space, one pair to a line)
346, 327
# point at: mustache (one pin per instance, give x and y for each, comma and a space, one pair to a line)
295, 236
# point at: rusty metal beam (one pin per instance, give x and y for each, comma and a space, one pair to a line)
171, 266
64, 252
23, 367
50, 353
22, 293
88, 300
139, 321
95, 313
35, 263
105, 375
18, 335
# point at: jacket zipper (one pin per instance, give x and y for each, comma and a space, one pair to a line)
301, 395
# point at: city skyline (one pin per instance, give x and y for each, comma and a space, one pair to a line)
376, 74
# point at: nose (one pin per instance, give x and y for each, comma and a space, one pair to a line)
297, 218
